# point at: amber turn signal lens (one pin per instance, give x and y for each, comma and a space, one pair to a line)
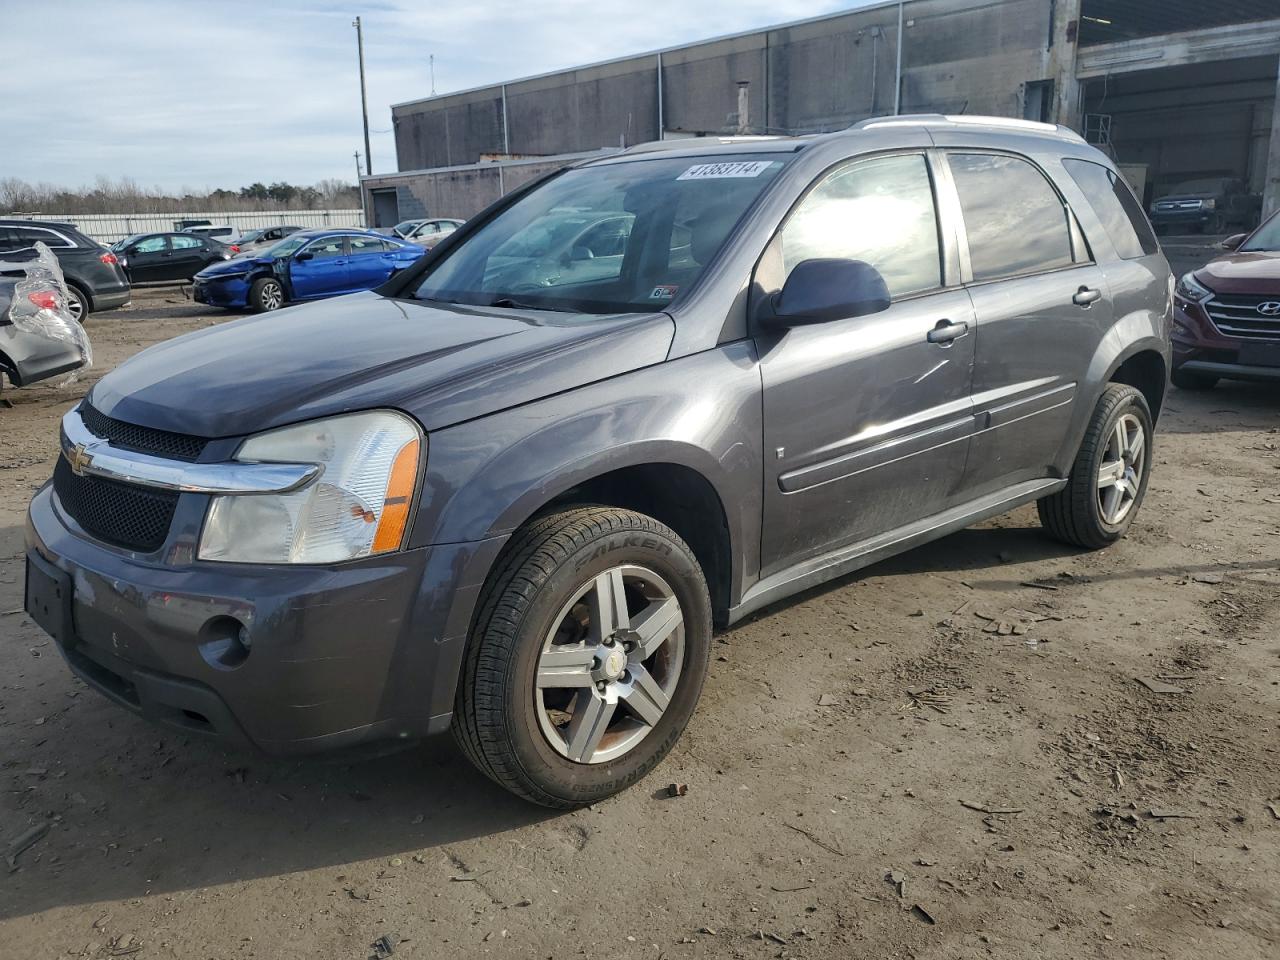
395, 508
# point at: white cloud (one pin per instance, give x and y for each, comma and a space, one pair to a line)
186, 94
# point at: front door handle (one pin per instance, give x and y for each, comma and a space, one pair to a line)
1085, 296
945, 331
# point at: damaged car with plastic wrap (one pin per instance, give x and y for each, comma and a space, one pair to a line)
39, 335
509, 492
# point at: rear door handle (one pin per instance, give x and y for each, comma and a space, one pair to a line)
945, 331
1085, 296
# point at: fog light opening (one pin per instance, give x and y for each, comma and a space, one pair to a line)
225, 643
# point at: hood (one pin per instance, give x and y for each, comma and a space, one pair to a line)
1256, 271
443, 363
234, 265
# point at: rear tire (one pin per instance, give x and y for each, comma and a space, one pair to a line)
1189, 380
554, 703
77, 303
1109, 477
266, 294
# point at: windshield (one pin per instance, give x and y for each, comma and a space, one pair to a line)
1195, 186
285, 247
1267, 237
611, 238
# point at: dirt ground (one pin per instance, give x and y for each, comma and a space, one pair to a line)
947, 756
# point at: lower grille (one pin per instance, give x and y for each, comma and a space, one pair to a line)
135, 518
1239, 316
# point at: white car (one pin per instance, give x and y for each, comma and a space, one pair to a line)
222, 232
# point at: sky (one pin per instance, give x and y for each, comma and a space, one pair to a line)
190, 94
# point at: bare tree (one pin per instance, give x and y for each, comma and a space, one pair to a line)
124, 195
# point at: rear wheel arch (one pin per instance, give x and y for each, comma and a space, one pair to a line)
1144, 370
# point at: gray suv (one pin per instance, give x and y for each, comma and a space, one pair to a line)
515, 508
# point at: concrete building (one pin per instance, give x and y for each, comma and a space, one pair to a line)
1174, 89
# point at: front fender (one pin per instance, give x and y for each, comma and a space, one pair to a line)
486, 477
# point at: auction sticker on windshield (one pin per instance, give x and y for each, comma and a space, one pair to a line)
725, 171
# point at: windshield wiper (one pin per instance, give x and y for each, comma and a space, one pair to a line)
517, 304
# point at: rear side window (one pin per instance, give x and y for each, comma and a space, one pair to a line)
1016, 222
879, 211
28, 237
186, 243
1116, 206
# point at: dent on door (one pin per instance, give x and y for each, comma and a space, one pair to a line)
867, 425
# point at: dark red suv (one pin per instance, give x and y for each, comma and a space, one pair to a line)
1226, 315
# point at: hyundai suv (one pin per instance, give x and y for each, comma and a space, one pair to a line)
94, 277
514, 504
1226, 316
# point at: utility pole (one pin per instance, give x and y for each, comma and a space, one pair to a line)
897, 71
364, 100
356, 154
432, 59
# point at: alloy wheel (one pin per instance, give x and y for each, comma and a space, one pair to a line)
75, 305
272, 296
610, 665
1120, 474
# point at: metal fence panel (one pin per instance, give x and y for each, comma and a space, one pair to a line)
109, 227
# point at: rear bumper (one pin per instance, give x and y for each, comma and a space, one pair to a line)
337, 656
111, 299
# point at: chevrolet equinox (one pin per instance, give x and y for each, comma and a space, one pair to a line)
509, 492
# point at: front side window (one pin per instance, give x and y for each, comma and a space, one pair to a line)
150, 245
1015, 221
880, 211
1116, 206
601, 239
326, 249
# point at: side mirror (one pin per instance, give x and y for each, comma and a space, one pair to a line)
830, 289
581, 253
305, 255
1233, 242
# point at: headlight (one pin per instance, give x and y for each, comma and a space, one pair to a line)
1189, 288
359, 505
1209, 204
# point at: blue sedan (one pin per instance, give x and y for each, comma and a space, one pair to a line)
307, 265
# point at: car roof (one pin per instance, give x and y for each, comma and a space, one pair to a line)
31, 222
928, 122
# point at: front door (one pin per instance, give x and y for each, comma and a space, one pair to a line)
1043, 307
320, 269
149, 259
866, 420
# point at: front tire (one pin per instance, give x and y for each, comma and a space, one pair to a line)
266, 294
1109, 477
587, 656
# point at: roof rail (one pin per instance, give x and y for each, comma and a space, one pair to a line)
970, 120
684, 143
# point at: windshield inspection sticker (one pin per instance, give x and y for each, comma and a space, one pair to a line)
664, 292
726, 171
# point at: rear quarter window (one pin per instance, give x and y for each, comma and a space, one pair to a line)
1116, 206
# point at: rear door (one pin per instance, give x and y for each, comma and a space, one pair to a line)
189, 256
1042, 305
372, 261
867, 422
320, 269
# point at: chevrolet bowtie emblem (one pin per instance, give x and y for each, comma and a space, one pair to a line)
79, 458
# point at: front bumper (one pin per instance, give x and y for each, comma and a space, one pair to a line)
1199, 347
220, 292
1168, 218
341, 655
